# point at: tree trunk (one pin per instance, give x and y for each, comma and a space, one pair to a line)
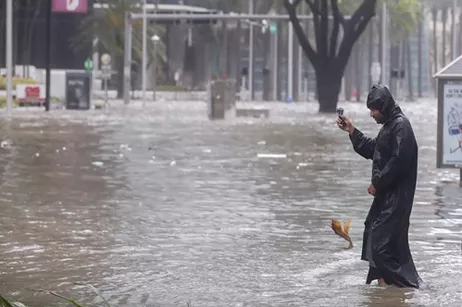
453, 28
15, 38
410, 85
266, 67
419, 59
348, 89
382, 65
296, 65
224, 49
435, 41
401, 65
394, 65
329, 84
119, 61
329, 60
25, 35
370, 54
280, 55
435, 47
29, 48
443, 53
359, 68
459, 42
237, 51
2, 40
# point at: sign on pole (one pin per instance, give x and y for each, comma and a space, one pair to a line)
88, 64
69, 6
452, 124
106, 72
106, 69
273, 28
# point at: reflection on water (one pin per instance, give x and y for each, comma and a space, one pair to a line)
162, 206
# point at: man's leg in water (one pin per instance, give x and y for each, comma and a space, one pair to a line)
373, 275
382, 282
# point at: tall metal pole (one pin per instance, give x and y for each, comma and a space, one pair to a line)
275, 64
145, 51
127, 57
95, 63
9, 55
300, 60
290, 63
251, 39
48, 58
154, 93
384, 43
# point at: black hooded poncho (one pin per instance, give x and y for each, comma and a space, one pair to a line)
394, 174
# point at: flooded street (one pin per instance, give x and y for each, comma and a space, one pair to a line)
162, 206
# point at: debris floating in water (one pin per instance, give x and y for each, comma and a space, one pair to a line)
37, 154
98, 163
344, 231
172, 163
274, 156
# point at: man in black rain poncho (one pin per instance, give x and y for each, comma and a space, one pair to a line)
394, 172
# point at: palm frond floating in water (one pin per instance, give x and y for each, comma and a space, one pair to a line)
343, 231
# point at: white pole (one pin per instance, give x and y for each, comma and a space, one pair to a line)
95, 64
145, 51
454, 35
384, 43
301, 64
155, 72
9, 55
275, 66
251, 34
290, 62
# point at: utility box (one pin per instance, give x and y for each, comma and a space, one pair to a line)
78, 90
221, 98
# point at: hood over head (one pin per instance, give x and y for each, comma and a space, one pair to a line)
380, 98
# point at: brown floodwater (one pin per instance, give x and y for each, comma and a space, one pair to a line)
161, 206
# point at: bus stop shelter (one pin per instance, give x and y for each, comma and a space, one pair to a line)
449, 123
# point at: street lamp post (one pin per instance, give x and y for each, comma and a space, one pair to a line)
9, 55
145, 51
155, 39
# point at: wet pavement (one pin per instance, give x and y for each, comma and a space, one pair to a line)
161, 206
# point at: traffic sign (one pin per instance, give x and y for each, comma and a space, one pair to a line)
273, 28
88, 64
106, 72
105, 59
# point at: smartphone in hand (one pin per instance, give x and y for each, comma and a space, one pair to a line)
340, 115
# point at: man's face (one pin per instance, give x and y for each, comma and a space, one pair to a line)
376, 115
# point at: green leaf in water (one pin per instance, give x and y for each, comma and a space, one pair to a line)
4, 302
71, 301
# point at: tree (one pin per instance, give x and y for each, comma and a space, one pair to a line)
330, 58
109, 26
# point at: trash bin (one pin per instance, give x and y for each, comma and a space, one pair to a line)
78, 90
